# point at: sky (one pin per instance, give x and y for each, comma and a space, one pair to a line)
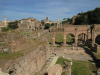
40, 9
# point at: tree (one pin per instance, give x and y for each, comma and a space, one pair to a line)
42, 22
81, 20
69, 20
4, 29
52, 24
64, 19
55, 23
13, 25
47, 26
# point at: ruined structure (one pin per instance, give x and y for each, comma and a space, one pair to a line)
29, 24
76, 30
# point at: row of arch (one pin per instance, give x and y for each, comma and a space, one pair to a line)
83, 37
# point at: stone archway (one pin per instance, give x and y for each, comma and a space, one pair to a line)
70, 38
82, 38
97, 39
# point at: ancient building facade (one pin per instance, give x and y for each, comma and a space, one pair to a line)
28, 24
76, 30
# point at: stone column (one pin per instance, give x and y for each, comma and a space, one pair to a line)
61, 25
76, 40
53, 39
88, 33
57, 25
64, 40
5, 20
85, 38
76, 37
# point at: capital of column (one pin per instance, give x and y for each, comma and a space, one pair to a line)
76, 38
53, 38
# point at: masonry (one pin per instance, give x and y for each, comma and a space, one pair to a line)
30, 62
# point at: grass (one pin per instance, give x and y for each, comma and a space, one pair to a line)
82, 68
24, 33
59, 38
78, 67
61, 60
7, 56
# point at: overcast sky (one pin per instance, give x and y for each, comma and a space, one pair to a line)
40, 9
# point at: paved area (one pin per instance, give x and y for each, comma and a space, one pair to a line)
53, 62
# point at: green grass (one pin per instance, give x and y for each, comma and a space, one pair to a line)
78, 67
82, 68
7, 56
61, 60
59, 38
24, 33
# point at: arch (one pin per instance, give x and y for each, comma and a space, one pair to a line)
97, 39
82, 38
70, 38
58, 38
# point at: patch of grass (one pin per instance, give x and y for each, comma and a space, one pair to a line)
7, 56
64, 73
61, 60
81, 68
24, 33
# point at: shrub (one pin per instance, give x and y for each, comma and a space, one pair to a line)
4, 29
47, 26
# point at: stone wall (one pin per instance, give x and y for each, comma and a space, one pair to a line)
30, 62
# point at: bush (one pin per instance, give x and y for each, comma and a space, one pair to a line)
13, 25
4, 29
47, 26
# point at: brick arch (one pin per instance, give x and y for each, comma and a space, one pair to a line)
70, 33
97, 36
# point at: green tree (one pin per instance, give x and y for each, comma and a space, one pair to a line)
42, 22
13, 25
47, 26
52, 24
55, 23
4, 29
69, 20
64, 19
81, 20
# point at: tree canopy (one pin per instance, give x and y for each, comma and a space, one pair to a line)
13, 25
47, 26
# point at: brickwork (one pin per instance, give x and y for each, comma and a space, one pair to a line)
76, 30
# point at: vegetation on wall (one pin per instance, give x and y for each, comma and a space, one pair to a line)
13, 25
4, 29
47, 26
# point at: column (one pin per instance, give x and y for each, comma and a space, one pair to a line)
57, 25
76, 37
76, 40
85, 38
88, 32
53, 41
64, 40
61, 25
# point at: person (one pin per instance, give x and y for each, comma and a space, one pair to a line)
54, 52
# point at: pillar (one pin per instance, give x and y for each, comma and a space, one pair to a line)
88, 33
76, 37
57, 25
85, 38
5, 20
53, 41
64, 40
76, 40
61, 25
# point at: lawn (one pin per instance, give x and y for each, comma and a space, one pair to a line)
78, 67
59, 38
8, 56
